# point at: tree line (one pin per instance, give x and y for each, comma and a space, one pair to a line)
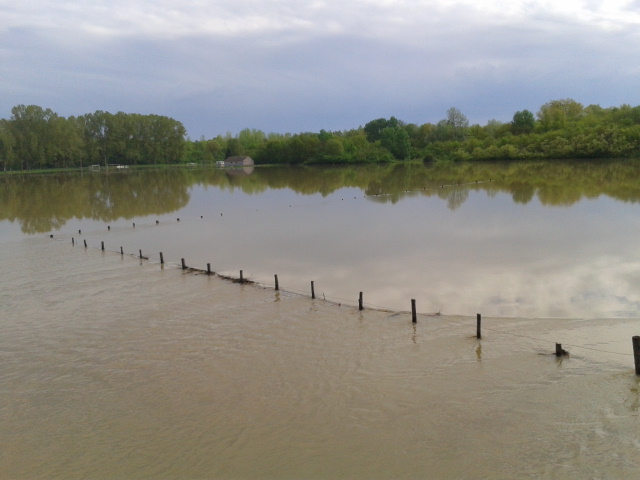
34, 137
38, 138
561, 129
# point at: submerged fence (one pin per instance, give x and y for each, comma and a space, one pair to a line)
559, 350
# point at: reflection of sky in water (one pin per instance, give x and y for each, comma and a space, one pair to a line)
488, 255
458, 252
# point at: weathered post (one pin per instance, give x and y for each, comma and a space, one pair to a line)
121, 251
208, 269
79, 232
241, 277
108, 227
360, 304
183, 264
276, 280
636, 353
161, 259
560, 351
478, 325
414, 317
134, 224
102, 244
313, 292
73, 242
85, 243
140, 253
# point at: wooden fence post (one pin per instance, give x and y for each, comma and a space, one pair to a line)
560, 351
183, 264
313, 291
414, 316
360, 304
276, 280
478, 325
636, 353
208, 269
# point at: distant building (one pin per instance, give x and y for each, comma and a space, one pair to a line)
239, 161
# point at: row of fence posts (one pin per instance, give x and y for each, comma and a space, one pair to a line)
414, 317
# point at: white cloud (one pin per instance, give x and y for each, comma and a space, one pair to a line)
300, 61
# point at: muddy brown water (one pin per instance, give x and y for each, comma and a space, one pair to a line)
118, 367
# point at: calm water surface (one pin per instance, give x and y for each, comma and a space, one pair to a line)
118, 367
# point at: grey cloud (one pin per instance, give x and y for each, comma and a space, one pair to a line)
308, 67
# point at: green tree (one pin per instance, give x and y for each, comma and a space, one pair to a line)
458, 122
523, 122
374, 128
556, 114
396, 140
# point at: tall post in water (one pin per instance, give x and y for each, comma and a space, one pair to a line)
313, 292
208, 269
241, 278
414, 316
360, 304
276, 280
636, 353
184, 266
102, 244
140, 253
478, 325
161, 259
85, 243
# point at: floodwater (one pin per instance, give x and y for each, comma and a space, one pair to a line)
119, 367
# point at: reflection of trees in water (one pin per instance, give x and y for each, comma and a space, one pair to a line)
457, 197
45, 202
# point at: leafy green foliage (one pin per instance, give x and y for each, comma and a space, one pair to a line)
562, 129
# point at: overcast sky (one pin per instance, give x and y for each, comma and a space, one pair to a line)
293, 65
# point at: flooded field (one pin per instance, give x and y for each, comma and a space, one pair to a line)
119, 367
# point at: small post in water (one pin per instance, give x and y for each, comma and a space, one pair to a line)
161, 259
121, 251
478, 325
73, 242
85, 243
208, 269
141, 253
360, 304
241, 277
560, 351
313, 292
183, 264
636, 353
102, 243
414, 317
276, 280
